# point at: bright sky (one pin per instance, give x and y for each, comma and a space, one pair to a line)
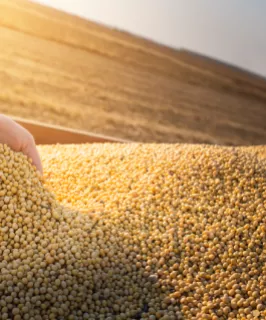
233, 31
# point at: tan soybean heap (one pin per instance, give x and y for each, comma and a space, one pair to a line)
136, 232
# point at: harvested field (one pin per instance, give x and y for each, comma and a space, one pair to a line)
63, 70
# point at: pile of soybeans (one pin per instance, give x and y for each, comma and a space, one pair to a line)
133, 232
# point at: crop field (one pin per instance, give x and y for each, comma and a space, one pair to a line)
63, 70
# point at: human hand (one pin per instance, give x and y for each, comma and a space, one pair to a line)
19, 139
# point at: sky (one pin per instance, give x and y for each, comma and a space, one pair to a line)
229, 30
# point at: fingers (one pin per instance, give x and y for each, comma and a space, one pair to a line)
19, 139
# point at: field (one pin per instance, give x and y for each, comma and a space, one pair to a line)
64, 70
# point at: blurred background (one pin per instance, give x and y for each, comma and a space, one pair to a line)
143, 70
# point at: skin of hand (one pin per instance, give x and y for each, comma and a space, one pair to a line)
19, 139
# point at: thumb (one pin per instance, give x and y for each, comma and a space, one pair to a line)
30, 150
